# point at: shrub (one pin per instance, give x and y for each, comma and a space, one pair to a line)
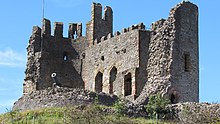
120, 107
156, 107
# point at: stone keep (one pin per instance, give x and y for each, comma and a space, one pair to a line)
134, 63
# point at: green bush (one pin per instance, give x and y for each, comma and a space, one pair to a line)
120, 107
156, 107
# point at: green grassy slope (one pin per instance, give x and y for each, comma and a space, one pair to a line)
92, 114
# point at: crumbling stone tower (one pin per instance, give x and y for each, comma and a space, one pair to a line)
133, 63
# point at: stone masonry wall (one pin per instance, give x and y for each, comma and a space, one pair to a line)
122, 52
132, 63
54, 54
99, 26
165, 67
185, 67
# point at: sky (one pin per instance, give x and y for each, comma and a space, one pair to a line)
19, 16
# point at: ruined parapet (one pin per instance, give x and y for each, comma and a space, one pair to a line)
140, 26
34, 47
99, 26
35, 40
58, 29
75, 29
46, 28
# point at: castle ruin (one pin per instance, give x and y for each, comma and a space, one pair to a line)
133, 63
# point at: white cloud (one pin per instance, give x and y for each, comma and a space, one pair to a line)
10, 58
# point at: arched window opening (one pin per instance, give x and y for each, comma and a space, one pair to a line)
113, 74
174, 97
127, 84
98, 82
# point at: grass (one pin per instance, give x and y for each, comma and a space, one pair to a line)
91, 114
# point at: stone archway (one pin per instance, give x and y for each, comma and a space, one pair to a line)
113, 74
98, 82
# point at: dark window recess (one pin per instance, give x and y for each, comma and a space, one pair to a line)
127, 84
98, 82
187, 63
113, 74
102, 58
172, 99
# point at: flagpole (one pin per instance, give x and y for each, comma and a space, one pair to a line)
42, 35
43, 9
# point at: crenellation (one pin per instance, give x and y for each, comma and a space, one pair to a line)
96, 11
124, 30
103, 38
58, 29
117, 33
79, 30
46, 28
72, 30
134, 63
109, 36
36, 30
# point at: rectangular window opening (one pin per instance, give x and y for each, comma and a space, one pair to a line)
187, 62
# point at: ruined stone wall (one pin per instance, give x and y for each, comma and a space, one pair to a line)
170, 40
49, 54
131, 63
121, 52
99, 26
185, 67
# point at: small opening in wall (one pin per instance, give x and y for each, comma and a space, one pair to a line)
186, 62
124, 50
172, 99
75, 35
83, 55
102, 58
65, 57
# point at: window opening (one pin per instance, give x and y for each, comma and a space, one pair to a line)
65, 57
102, 58
127, 84
186, 62
98, 82
113, 74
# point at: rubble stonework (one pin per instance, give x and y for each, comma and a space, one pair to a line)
133, 63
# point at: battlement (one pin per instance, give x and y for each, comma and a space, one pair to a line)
74, 30
140, 26
99, 26
131, 62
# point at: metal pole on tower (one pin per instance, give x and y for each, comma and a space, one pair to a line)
43, 8
42, 35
